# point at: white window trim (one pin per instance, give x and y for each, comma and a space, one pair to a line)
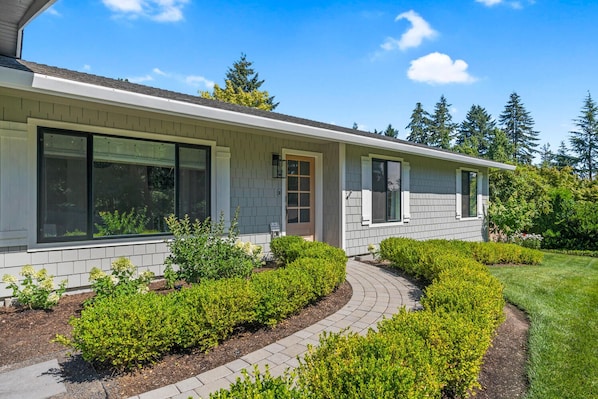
459, 198
366, 191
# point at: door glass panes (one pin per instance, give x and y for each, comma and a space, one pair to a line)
63, 187
193, 183
133, 186
299, 186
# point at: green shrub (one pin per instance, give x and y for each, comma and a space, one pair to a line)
124, 331
207, 313
120, 281
120, 223
202, 251
37, 290
287, 248
375, 366
260, 386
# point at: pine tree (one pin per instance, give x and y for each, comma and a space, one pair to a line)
242, 86
474, 132
562, 159
499, 149
584, 140
546, 156
419, 126
518, 124
442, 127
391, 131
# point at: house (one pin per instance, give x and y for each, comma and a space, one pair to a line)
90, 166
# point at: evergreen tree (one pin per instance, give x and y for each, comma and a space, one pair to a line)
242, 86
419, 126
546, 156
355, 126
474, 132
391, 131
584, 140
518, 124
562, 159
442, 127
499, 149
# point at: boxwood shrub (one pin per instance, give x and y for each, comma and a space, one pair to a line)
436, 352
123, 332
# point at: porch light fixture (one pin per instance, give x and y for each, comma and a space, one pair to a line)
278, 167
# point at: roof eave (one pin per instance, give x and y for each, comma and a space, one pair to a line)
78, 90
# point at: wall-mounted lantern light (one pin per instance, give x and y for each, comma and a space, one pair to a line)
279, 170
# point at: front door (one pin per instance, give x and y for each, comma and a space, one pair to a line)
300, 202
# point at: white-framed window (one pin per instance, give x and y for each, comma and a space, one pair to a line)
469, 194
384, 190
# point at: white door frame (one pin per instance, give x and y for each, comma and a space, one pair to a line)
319, 187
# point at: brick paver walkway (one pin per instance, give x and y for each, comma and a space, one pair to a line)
376, 293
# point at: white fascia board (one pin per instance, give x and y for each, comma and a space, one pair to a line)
85, 91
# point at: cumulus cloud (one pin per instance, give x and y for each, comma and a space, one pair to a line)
87, 67
438, 68
158, 71
517, 5
489, 3
195, 80
414, 36
156, 10
141, 79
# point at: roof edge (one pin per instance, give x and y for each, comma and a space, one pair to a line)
46, 84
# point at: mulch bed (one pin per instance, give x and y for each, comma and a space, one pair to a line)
25, 337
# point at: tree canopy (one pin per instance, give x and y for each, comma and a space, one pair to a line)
242, 86
584, 140
518, 125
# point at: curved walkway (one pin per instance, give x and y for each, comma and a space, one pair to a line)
376, 293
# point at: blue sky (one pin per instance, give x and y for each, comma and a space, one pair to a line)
342, 62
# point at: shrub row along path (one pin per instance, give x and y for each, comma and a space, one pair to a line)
376, 293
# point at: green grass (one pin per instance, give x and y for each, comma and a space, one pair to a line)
561, 298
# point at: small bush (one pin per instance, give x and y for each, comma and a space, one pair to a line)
37, 290
260, 386
208, 313
202, 251
124, 331
287, 248
120, 281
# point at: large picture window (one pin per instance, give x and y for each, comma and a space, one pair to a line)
95, 186
386, 191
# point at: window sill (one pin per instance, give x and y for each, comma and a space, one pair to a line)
386, 224
100, 243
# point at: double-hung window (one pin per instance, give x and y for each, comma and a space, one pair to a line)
469, 194
94, 186
385, 190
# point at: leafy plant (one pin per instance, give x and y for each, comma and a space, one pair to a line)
119, 223
121, 281
37, 290
203, 251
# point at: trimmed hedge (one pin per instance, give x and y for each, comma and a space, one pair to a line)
436, 352
126, 332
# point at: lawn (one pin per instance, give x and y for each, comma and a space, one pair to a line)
561, 299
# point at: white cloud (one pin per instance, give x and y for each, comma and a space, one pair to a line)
158, 71
87, 67
414, 36
437, 68
195, 80
489, 3
53, 11
156, 10
141, 79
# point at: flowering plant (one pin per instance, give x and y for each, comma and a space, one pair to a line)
37, 290
373, 249
527, 240
253, 251
121, 281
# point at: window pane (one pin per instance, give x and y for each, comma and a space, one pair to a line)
293, 183
63, 186
292, 216
305, 199
469, 194
292, 167
304, 215
293, 199
378, 191
304, 168
393, 195
193, 183
304, 183
133, 186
